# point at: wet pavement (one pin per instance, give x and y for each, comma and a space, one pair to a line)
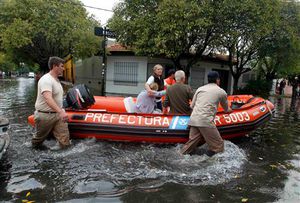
264, 167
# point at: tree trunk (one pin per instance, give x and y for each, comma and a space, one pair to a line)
235, 84
294, 91
43, 67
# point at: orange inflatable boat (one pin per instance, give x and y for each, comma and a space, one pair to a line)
113, 118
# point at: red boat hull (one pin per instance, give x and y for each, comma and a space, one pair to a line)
108, 120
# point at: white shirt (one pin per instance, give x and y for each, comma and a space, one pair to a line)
48, 83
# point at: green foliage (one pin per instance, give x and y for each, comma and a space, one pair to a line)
247, 23
175, 29
257, 87
38, 29
166, 28
5, 63
280, 53
7, 66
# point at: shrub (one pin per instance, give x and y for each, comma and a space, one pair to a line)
257, 87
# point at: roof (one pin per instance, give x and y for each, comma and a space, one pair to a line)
118, 49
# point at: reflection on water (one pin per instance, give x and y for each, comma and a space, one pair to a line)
263, 167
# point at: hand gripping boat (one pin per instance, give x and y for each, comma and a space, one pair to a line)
113, 118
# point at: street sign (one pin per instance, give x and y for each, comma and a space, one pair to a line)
99, 31
110, 34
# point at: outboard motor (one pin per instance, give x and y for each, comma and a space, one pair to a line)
79, 97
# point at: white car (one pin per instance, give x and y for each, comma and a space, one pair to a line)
31, 74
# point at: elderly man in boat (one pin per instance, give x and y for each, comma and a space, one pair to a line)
178, 95
202, 127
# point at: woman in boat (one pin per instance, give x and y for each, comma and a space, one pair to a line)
157, 78
146, 103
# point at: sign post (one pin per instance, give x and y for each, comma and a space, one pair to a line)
105, 33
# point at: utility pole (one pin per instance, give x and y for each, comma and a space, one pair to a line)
103, 73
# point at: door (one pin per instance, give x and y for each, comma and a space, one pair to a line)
224, 78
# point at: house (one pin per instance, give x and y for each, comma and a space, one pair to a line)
89, 72
127, 73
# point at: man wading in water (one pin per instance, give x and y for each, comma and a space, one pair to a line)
205, 106
49, 116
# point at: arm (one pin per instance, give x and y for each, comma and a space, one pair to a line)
52, 104
147, 85
190, 93
194, 100
149, 81
160, 93
224, 103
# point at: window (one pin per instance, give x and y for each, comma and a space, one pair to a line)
126, 73
197, 77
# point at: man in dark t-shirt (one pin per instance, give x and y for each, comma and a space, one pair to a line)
178, 96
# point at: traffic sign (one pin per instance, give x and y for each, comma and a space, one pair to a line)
99, 31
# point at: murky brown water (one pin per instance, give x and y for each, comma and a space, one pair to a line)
262, 168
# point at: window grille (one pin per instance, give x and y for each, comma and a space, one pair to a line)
126, 73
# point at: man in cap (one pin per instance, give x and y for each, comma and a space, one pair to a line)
205, 106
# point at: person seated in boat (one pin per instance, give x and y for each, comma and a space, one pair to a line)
157, 78
178, 96
146, 103
170, 80
202, 127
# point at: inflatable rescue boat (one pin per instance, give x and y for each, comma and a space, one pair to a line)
114, 119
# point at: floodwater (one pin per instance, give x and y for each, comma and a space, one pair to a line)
264, 167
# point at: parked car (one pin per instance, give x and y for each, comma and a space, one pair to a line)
31, 74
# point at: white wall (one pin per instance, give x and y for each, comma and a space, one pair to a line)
113, 89
198, 74
88, 72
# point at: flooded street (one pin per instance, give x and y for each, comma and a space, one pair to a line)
264, 167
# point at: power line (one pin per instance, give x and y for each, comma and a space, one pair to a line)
103, 9
78, 4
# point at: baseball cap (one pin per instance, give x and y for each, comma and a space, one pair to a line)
213, 75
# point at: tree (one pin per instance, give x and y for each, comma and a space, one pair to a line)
5, 64
280, 54
34, 30
177, 30
247, 23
